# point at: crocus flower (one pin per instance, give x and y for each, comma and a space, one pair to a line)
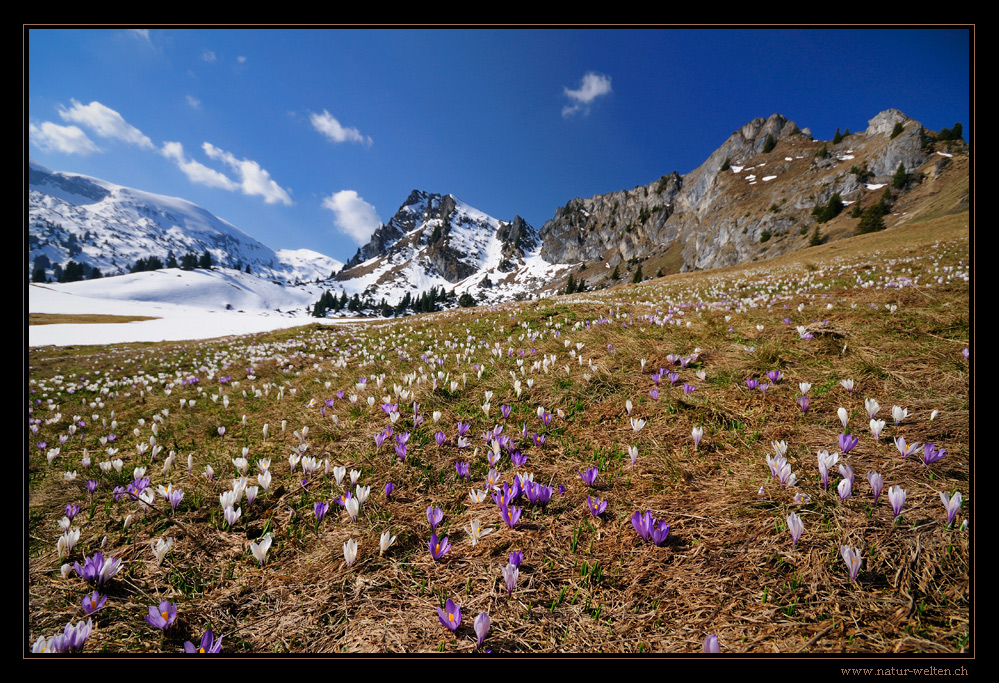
877, 483
905, 450
350, 551
951, 505
93, 602
389, 488
803, 403
463, 469
320, 509
438, 547
450, 616
589, 476
752, 383
853, 559
476, 532
516, 557
847, 384
164, 617
796, 527
847, 442
697, 433
689, 388
434, 516
660, 532
711, 645
97, 569
209, 644
386, 541
481, 628
642, 524
351, 505
931, 454
774, 376
896, 497
596, 506
872, 407
510, 514
845, 488
260, 548
899, 413
876, 427
510, 574
844, 417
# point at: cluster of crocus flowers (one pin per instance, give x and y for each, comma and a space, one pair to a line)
649, 528
97, 569
72, 639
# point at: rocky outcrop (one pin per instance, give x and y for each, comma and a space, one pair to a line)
752, 198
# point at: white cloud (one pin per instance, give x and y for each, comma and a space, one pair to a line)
593, 86
51, 137
241, 59
194, 102
195, 170
106, 122
208, 56
253, 179
352, 215
142, 33
326, 124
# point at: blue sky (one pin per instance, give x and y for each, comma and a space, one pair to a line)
309, 138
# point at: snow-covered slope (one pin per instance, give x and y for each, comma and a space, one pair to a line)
110, 227
185, 304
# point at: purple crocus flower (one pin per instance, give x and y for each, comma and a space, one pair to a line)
643, 524
380, 439
774, 376
209, 644
590, 476
438, 547
596, 506
97, 569
93, 602
853, 560
877, 483
796, 527
400, 451
440, 438
951, 504
802, 402
164, 617
688, 389
660, 532
931, 454
896, 497
752, 383
516, 557
463, 428
510, 514
847, 442
654, 393
505, 409
175, 496
464, 470
711, 645
320, 509
518, 459
510, 574
481, 628
434, 516
72, 510
91, 485
389, 488
450, 616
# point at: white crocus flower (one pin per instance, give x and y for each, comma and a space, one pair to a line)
350, 551
387, 540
